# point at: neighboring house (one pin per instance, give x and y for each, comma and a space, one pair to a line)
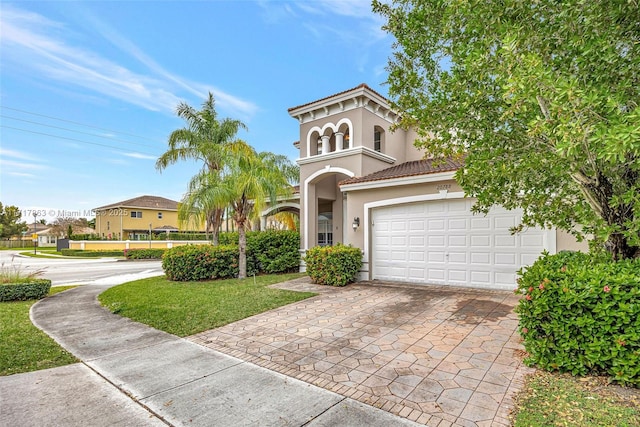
363, 185
46, 236
135, 218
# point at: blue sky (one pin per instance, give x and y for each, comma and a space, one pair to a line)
88, 89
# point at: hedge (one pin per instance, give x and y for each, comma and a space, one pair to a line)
580, 313
201, 262
91, 254
33, 289
144, 253
333, 265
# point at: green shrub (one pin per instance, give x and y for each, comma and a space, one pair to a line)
32, 289
92, 236
200, 262
231, 237
275, 251
144, 253
90, 254
333, 265
580, 313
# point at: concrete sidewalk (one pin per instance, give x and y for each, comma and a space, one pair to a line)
132, 374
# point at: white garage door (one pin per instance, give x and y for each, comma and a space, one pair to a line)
443, 242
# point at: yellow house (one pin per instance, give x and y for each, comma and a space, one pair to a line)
136, 218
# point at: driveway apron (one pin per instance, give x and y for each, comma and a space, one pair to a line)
436, 355
179, 383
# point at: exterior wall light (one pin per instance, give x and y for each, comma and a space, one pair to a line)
356, 223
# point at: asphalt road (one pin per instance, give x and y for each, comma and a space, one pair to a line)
79, 271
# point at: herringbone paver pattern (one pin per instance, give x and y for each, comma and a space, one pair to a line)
436, 355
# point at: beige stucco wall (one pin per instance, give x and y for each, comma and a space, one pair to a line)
566, 242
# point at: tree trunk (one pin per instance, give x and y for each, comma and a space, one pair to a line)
215, 219
242, 249
617, 217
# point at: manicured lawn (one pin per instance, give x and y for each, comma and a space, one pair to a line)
23, 347
186, 308
551, 399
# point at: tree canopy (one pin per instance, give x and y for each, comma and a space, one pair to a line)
203, 139
247, 181
539, 97
10, 224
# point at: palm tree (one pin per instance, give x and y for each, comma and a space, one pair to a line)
248, 181
204, 139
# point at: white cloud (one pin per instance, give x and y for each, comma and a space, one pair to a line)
140, 156
22, 174
16, 154
12, 164
33, 41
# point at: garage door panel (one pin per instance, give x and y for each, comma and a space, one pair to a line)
481, 241
458, 275
481, 278
434, 225
458, 257
454, 241
436, 241
416, 241
443, 242
505, 259
506, 241
480, 224
457, 224
416, 256
436, 256
416, 225
532, 240
480, 258
436, 275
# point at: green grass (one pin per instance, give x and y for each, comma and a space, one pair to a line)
551, 399
186, 308
23, 347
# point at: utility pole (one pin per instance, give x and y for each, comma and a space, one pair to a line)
35, 233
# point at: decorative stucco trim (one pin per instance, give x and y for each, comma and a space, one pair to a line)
365, 151
305, 217
270, 209
392, 182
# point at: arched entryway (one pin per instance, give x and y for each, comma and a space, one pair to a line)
323, 221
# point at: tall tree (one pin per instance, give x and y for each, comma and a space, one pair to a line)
202, 140
248, 181
10, 224
540, 97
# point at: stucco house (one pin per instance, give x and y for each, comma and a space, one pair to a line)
134, 219
363, 185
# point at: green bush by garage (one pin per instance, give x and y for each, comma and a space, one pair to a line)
333, 265
580, 313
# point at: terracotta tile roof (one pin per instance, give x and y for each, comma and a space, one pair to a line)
360, 86
148, 202
415, 168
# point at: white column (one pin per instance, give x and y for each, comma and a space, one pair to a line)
339, 140
326, 148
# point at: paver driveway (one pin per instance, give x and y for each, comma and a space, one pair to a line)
436, 355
